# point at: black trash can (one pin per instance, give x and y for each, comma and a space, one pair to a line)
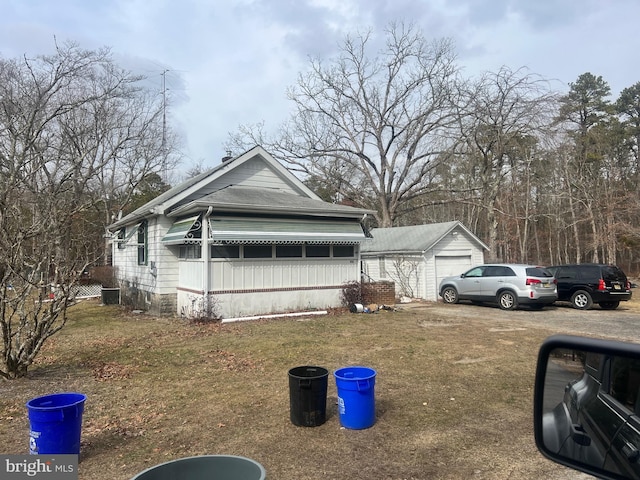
308, 395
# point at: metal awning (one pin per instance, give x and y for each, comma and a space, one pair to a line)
184, 231
263, 230
125, 239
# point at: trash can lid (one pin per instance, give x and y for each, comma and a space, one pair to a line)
355, 373
56, 400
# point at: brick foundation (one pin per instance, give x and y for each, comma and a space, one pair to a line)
382, 293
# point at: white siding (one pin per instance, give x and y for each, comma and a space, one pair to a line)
166, 259
190, 275
252, 173
126, 261
266, 274
250, 287
406, 271
231, 305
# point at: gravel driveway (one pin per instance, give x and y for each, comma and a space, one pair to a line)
620, 324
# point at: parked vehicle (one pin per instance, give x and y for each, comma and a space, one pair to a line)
508, 285
588, 283
592, 421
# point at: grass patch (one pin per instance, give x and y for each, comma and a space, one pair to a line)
453, 400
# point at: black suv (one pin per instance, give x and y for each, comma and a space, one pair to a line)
597, 423
588, 283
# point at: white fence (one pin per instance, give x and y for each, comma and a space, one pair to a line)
85, 291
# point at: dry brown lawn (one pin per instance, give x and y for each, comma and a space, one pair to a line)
453, 398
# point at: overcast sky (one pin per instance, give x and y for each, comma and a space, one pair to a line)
229, 62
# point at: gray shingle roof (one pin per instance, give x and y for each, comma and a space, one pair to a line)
240, 198
415, 238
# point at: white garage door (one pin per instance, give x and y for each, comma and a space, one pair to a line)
448, 266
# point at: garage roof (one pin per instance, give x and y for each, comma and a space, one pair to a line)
412, 239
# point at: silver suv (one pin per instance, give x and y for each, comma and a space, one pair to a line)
509, 285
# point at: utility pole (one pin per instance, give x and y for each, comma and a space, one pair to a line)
164, 124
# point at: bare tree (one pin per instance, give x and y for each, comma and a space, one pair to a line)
504, 112
67, 122
405, 274
371, 128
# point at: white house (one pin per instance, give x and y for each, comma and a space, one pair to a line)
244, 238
417, 257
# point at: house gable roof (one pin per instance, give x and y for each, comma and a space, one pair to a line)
266, 201
193, 194
413, 239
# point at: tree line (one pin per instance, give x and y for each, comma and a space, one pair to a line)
541, 176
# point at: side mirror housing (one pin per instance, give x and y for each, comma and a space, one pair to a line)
587, 405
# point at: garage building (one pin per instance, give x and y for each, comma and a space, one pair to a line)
417, 257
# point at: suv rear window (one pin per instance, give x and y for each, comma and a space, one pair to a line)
538, 272
610, 272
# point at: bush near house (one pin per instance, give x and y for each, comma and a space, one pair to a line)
357, 292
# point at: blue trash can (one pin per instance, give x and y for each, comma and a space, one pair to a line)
356, 397
56, 424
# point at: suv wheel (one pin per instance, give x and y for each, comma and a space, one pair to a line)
581, 300
609, 305
507, 300
450, 295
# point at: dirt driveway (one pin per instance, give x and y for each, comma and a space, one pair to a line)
619, 324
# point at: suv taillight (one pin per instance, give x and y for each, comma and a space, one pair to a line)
601, 285
532, 281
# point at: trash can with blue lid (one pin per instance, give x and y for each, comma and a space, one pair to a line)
308, 395
56, 423
356, 397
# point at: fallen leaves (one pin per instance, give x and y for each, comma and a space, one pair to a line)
231, 362
104, 371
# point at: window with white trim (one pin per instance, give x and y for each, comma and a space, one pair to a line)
288, 251
190, 252
142, 243
317, 251
225, 251
258, 251
343, 251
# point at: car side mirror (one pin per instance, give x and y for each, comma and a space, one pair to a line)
587, 405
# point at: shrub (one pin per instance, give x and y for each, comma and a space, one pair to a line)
104, 275
351, 293
356, 292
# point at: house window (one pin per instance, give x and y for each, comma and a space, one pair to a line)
142, 243
382, 265
343, 251
120, 239
289, 251
190, 252
225, 251
258, 251
318, 251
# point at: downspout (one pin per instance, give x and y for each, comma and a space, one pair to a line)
205, 259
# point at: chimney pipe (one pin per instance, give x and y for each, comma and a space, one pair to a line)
227, 157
